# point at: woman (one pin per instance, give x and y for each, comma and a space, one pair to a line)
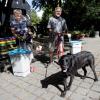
20, 30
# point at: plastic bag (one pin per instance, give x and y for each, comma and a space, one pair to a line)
19, 51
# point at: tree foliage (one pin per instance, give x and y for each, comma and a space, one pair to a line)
34, 18
47, 14
79, 14
44, 3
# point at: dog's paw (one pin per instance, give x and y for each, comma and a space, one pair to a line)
68, 88
83, 77
96, 79
63, 94
44, 84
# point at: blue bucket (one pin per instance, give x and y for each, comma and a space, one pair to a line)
19, 51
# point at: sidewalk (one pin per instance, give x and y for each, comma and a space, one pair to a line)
30, 88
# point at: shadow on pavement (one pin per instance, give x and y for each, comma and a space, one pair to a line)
55, 80
42, 58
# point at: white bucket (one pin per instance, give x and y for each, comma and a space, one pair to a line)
76, 46
20, 64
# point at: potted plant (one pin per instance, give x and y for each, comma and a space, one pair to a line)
76, 35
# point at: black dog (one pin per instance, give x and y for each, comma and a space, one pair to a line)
71, 63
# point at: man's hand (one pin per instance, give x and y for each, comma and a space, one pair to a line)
64, 33
69, 35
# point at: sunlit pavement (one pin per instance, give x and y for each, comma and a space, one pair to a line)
30, 88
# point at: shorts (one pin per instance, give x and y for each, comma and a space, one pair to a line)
54, 42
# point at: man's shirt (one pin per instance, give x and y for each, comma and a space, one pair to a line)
58, 25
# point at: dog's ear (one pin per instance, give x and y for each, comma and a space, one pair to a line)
72, 60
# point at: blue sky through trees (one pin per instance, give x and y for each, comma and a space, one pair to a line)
39, 13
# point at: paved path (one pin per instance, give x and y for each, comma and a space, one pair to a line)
29, 88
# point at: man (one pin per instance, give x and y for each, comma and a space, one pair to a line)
57, 27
